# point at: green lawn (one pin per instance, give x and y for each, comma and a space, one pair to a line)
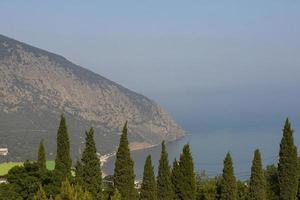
5, 167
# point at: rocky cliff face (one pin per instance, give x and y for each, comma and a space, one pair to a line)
37, 86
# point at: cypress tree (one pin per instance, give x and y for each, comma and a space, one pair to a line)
164, 184
41, 161
148, 189
175, 178
91, 169
288, 165
63, 160
124, 172
228, 182
257, 189
79, 173
187, 181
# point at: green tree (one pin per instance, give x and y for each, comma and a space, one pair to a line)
70, 192
242, 190
116, 196
164, 184
91, 169
124, 172
175, 178
41, 161
257, 188
206, 187
63, 160
148, 189
79, 173
41, 194
272, 185
187, 181
288, 165
228, 183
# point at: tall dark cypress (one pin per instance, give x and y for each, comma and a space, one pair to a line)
63, 160
124, 172
91, 168
228, 182
187, 181
288, 165
79, 173
164, 184
175, 178
41, 161
257, 188
148, 189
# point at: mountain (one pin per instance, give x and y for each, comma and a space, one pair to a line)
37, 86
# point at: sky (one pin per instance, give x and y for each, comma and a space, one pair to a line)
211, 64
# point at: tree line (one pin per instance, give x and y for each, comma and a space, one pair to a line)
176, 181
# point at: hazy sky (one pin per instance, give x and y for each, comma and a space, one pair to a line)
209, 63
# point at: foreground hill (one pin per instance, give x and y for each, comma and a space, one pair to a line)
37, 86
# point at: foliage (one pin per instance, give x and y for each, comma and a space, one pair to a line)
176, 176
41, 194
148, 188
116, 196
164, 184
124, 172
288, 165
63, 160
228, 187
9, 192
71, 192
41, 161
206, 187
91, 169
272, 184
257, 187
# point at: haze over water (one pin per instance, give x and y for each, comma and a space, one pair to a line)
209, 149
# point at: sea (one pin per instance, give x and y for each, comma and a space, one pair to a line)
209, 149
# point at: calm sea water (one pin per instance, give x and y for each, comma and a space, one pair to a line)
209, 150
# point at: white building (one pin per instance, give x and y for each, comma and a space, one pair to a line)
3, 151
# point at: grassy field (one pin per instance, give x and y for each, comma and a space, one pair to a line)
5, 167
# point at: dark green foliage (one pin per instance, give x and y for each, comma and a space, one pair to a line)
26, 179
9, 192
288, 165
116, 195
124, 172
175, 178
63, 160
183, 176
41, 194
79, 173
242, 190
298, 192
187, 178
272, 183
41, 161
71, 192
164, 184
228, 187
257, 188
91, 169
206, 187
148, 188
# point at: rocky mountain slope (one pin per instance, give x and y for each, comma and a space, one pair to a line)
37, 86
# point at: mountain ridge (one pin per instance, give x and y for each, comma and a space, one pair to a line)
38, 85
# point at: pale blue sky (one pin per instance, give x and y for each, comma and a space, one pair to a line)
209, 63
